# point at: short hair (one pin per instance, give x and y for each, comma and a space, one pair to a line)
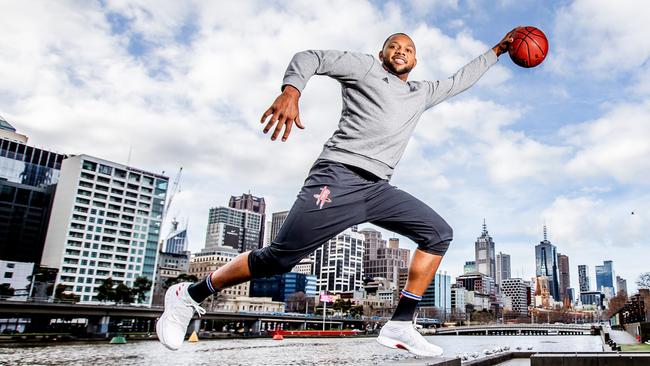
393, 35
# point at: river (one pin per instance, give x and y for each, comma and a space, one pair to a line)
291, 351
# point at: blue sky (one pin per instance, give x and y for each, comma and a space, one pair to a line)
184, 84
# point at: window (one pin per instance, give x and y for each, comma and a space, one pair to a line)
89, 165
11, 265
104, 169
9, 274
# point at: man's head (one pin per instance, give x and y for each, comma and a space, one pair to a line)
398, 55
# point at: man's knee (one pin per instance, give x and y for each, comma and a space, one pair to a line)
267, 262
438, 242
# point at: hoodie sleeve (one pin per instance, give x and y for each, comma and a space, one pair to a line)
441, 90
346, 67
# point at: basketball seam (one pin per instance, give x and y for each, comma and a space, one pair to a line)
540, 47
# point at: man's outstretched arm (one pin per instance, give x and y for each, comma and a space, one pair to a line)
346, 67
468, 75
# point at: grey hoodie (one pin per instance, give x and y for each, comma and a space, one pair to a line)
380, 110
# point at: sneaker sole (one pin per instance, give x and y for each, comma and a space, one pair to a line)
393, 343
160, 336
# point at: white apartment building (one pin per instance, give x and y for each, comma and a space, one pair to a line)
515, 289
338, 264
105, 222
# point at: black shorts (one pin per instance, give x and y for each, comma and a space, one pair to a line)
336, 197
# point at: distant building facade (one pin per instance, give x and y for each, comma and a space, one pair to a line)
546, 265
105, 222
248, 202
485, 254
235, 228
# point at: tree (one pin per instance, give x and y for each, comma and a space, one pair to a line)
644, 280
616, 303
106, 291
6, 290
60, 293
141, 286
183, 277
124, 294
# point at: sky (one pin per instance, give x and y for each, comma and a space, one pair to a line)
175, 84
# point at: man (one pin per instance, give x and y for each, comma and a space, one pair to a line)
349, 183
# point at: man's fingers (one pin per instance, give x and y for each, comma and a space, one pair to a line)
278, 127
287, 130
266, 114
298, 123
270, 124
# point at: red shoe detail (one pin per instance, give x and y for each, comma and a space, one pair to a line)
401, 346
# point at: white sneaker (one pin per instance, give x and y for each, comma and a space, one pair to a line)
179, 310
403, 335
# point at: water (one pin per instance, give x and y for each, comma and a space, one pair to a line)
291, 351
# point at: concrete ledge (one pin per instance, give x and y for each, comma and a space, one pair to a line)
590, 359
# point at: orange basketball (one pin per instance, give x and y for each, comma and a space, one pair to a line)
529, 47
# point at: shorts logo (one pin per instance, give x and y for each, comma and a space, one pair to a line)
323, 197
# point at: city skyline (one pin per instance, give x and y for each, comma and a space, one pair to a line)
154, 91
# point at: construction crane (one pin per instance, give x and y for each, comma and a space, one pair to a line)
172, 193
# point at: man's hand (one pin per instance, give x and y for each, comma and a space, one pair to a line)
283, 112
503, 45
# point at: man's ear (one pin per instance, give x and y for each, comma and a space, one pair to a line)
415, 62
381, 56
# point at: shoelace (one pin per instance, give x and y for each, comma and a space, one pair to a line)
199, 309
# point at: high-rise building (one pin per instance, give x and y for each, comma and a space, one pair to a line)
438, 294
277, 219
546, 265
470, 266
177, 240
248, 202
605, 278
338, 264
105, 222
621, 286
593, 299
280, 286
515, 289
503, 267
380, 260
234, 228
484, 252
28, 177
583, 278
565, 276
404, 254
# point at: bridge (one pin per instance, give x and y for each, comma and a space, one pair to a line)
520, 329
101, 319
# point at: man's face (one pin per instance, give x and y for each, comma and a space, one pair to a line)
398, 55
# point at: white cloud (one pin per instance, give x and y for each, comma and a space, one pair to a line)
600, 37
615, 145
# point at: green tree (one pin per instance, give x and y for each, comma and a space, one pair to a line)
61, 294
123, 294
141, 286
6, 290
106, 291
183, 277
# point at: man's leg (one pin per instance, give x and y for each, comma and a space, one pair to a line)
332, 200
404, 214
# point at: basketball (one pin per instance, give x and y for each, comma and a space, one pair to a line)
529, 47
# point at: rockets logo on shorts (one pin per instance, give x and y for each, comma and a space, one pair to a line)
323, 197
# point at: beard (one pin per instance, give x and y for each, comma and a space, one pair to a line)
404, 70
